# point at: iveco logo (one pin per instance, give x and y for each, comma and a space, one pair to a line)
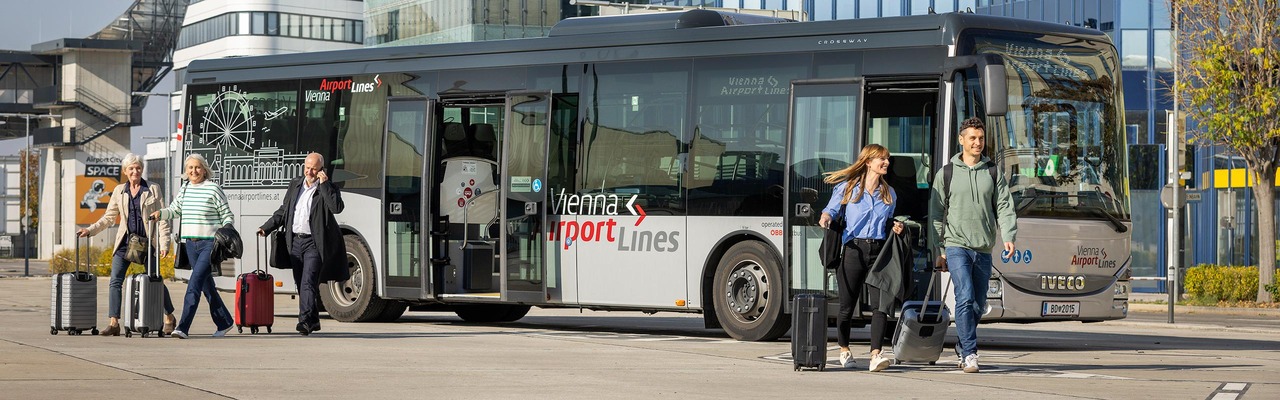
1062, 282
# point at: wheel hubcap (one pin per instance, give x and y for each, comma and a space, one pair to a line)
747, 291
346, 293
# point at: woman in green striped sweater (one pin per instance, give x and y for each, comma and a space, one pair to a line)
203, 209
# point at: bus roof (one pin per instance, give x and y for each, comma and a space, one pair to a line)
581, 34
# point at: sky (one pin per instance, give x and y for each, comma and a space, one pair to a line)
57, 19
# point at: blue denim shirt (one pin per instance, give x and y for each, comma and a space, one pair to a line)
866, 218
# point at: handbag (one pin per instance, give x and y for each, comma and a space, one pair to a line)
136, 249
831, 251
278, 252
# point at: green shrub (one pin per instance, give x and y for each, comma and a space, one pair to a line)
1274, 289
1227, 283
64, 261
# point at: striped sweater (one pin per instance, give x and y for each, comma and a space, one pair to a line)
203, 209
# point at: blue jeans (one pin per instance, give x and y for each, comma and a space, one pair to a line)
970, 273
118, 268
197, 253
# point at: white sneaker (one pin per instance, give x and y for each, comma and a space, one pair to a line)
179, 334
846, 359
878, 363
222, 332
971, 363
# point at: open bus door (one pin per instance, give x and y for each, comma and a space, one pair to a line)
409, 136
823, 136
522, 244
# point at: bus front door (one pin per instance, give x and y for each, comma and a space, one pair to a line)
407, 142
823, 136
522, 244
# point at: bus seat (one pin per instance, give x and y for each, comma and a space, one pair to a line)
484, 142
454, 139
902, 178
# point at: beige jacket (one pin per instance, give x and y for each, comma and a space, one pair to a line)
118, 209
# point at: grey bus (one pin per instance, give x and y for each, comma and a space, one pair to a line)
673, 161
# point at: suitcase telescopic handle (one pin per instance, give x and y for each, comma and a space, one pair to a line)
924, 309
153, 250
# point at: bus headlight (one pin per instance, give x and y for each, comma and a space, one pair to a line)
1122, 289
994, 289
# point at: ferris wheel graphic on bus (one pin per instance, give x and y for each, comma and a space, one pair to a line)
228, 121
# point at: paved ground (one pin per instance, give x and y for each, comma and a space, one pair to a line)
568, 354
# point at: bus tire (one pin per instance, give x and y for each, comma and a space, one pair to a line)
748, 293
354, 300
393, 311
487, 313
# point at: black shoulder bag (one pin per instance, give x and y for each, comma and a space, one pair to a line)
831, 252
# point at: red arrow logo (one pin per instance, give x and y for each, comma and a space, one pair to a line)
639, 211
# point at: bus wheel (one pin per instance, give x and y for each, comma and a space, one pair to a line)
748, 293
353, 300
483, 313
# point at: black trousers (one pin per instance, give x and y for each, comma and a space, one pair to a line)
305, 258
859, 256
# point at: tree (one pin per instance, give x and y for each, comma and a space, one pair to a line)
29, 167
1230, 64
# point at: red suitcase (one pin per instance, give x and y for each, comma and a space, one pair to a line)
255, 297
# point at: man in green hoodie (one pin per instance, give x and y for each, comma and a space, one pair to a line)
964, 213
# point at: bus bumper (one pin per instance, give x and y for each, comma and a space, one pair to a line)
1018, 306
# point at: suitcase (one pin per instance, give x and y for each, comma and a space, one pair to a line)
256, 296
74, 300
142, 310
922, 329
809, 331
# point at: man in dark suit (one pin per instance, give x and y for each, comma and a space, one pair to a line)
317, 251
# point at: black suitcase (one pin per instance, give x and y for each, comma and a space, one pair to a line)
142, 308
809, 331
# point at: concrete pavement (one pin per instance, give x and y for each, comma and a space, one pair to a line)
568, 354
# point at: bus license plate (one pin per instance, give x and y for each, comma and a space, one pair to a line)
1060, 308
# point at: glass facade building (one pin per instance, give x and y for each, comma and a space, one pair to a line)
409, 22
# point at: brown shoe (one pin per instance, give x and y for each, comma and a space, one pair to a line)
112, 330
169, 323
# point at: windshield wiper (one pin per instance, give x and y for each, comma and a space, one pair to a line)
1115, 222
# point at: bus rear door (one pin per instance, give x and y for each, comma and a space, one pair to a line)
407, 142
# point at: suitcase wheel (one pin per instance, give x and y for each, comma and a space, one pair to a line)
822, 367
53, 331
253, 330
94, 331
239, 329
797, 367
933, 363
268, 328
128, 333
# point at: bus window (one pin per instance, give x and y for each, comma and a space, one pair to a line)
632, 137
738, 150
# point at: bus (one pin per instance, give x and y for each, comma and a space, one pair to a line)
672, 162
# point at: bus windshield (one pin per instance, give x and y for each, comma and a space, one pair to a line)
1062, 147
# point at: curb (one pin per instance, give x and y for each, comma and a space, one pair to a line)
1180, 309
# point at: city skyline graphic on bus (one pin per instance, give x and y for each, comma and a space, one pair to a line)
227, 136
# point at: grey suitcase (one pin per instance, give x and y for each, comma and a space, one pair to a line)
142, 310
922, 329
74, 300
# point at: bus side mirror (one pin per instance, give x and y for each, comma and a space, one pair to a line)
994, 90
990, 67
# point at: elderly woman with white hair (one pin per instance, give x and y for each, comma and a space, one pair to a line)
130, 201
203, 209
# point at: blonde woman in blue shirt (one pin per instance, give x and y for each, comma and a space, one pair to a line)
866, 202
203, 209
